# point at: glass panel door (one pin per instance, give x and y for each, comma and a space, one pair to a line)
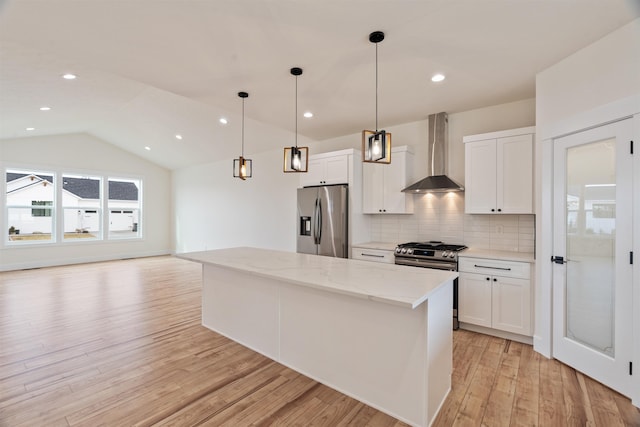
592, 292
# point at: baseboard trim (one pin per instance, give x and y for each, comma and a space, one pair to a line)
82, 260
497, 333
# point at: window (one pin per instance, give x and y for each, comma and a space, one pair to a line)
124, 208
43, 211
29, 201
48, 207
81, 203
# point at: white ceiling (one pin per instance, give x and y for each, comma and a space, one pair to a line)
148, 69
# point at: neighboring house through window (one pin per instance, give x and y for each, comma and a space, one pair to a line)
32, 209
81, 203
25, 190
124, 208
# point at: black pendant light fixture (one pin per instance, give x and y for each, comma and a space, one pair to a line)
376, 145
242, 168
296, 159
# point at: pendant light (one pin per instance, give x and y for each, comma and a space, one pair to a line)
296, 159
376, 145
242, 168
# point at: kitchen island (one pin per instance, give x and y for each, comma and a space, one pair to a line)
377, 332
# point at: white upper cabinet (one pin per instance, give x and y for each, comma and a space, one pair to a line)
499, 172
382, 184
326, 169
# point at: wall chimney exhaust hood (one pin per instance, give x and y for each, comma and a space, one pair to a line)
437, 181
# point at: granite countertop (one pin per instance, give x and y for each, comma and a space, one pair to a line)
501, 255
385, 246
388, 283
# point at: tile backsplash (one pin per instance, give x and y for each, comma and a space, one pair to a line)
440, 216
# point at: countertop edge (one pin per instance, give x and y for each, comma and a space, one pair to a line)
381, 246
412, 304
499, 255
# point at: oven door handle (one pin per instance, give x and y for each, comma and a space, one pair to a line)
427, 264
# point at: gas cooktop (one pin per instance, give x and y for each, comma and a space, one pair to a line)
430, 245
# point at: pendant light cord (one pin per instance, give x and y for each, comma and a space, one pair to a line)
296, 112
242, 127
376, 87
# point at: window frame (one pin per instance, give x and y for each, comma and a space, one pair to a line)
58, 208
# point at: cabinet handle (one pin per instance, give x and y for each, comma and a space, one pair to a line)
499, 210
493, 210
495, 280
372, 255
488, 278
494, 268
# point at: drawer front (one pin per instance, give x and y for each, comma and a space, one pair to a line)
495, 267
375, 255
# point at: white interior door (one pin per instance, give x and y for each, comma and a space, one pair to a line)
592, 283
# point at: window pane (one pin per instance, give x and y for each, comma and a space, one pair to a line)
124, 208
81, 200
29, 201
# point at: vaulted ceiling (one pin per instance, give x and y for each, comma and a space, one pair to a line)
150, 69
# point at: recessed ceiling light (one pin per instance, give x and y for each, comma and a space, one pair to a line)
223, 120
437, 78
45, 108
178, 136
69, 76
147, 148
308, 114
30, 129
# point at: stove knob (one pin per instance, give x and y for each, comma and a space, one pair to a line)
452, 255
410, 251
445, 254
404, 250
397, 250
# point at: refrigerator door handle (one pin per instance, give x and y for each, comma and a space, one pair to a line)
315, 223
319, 220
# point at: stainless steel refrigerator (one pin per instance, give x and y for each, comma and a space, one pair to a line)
322, 220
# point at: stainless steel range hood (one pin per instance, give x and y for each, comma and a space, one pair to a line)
437, 181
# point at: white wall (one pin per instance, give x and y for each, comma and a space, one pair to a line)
594, 85
82, 153
214, 210
605, 71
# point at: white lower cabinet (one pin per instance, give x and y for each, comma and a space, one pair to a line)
495, 294
375, 255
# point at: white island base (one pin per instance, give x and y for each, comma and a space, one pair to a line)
331, 320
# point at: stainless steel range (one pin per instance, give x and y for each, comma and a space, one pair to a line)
432, 254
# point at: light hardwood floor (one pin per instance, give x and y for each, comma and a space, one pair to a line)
120, 343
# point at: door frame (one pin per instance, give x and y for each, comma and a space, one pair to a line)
615, 111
